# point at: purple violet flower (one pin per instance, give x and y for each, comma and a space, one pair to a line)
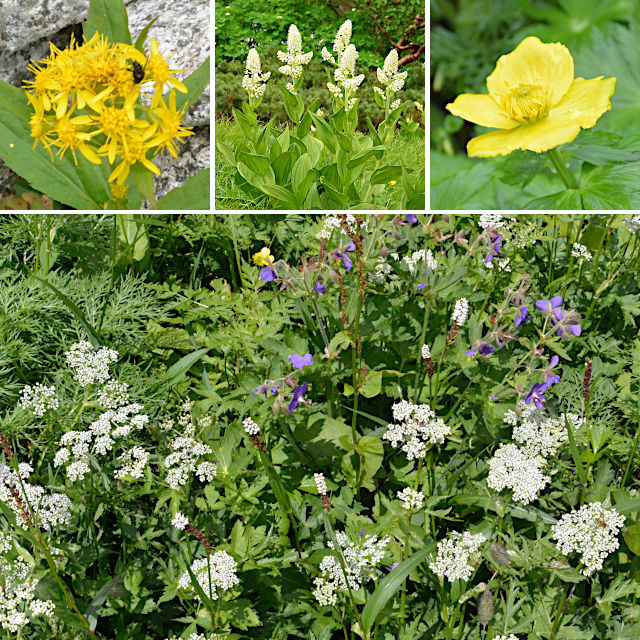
301, 361
410, 218
393, 566
551, 377
521, 314
549, 305
483, 349
362, 532
421, 286
298, 394
574, 327
346, 259
536, 395
494, 398
267, 274
494, 250
319, 288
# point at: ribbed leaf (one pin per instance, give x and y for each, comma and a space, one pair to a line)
194, 194
108, 17
175, 373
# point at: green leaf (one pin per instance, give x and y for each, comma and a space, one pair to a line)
133, 233
195, 83
372, 384
371, 454
292, 104
258, 164
593, 237
567, 199
324, 133
364, 156
177, 371
389, 585
140, 40
305, 125
631, 536
373, 133
244, 124
194, 194
108, 17
301, 177
285, 197
92, 334
282, 166
385, 174
575, 454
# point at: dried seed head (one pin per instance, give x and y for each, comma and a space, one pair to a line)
500, 555
485, 607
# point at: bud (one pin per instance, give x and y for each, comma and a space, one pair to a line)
334, 276
500, 555
277, 406
485, 607
384, 252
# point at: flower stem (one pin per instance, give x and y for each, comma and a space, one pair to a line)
568, 178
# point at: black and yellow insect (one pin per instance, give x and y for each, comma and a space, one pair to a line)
138, 72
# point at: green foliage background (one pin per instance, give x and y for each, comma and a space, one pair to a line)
468, 36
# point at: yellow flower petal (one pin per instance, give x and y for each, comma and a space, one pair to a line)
539, 136
585, 101
533, 62
480, 109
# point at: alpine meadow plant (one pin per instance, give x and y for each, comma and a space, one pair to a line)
336, 426
319, 162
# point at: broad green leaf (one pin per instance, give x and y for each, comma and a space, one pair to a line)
567, 199
632, 538
372, 384
389, 585
258, 164
282, 166
301, 177
385, 174
364, 156
324, 133
371, 455
108, 17
194, 194
286, 199
195, 83
177, 371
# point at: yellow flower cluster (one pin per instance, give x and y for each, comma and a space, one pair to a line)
263, 258
86, 98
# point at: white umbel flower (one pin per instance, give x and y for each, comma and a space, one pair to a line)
215, 573
412, 261
592, 531
491, 220
254, 81
411, 499
134, 463
251, 427
180, 521
390, 78
416, 429
513, 469
39, 399
581, 252
633, 223
90, 365
460, 312
453, 555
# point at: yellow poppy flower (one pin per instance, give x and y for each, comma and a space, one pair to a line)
534, 101
263, 258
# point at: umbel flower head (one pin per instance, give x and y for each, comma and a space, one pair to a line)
86, 98
534, 101
254, 81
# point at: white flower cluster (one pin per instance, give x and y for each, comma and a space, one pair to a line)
454, 553
416, 256
592, 531
509, 637
383, 269
361, 559
492, 219
539, 435
18, 603
293, 58
251, 427
416, 427
213, 573
512, 468
331, 222
411, 499
186, 451
321, 484
100, 439
180, 521
134, 463
113, 394
581, 252
633, 223
254, 81
503, 265
460, 312
390, 78
90, 365
39, 399
48, 510
426, 352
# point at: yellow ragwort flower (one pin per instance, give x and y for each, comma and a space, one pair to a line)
170, 129
263, 258
160, 73
534, 101
133, 148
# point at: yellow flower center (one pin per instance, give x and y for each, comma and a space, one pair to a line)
67, 133
133, 150
159, 69
114, 121
527, 102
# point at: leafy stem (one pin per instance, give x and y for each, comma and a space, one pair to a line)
568, 178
